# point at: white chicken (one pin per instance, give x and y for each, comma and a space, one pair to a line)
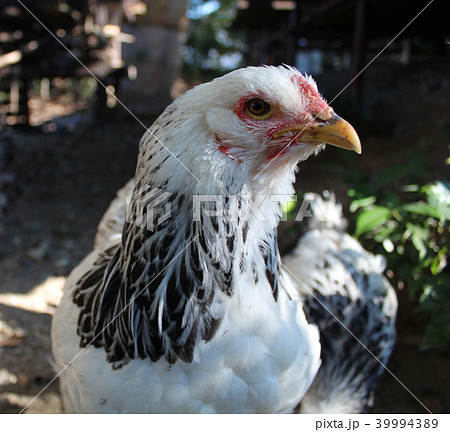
189, 310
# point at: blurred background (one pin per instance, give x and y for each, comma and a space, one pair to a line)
81, 80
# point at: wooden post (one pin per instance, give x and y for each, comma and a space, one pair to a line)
14, 96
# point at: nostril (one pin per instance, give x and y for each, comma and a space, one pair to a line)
323, 115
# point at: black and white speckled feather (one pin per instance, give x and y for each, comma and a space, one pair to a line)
346, 295
170, 309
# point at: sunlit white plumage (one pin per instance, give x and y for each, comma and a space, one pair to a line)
193, 314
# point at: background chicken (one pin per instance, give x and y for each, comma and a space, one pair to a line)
353, 304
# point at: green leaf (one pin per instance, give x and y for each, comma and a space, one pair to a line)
371, 218
419, 236
439, 262
389, 231
438, 195
362, 202
424, 209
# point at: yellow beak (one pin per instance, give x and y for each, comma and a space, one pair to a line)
335, 131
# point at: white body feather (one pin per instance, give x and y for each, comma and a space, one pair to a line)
263, 360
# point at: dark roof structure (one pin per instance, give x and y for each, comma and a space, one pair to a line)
277, 29
331, 19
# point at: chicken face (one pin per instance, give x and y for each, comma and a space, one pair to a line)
267, 113
250, 127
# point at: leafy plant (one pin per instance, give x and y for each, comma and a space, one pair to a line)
411, 228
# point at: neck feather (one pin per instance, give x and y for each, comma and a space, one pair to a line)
181, 254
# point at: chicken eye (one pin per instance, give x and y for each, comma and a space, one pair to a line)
258, 109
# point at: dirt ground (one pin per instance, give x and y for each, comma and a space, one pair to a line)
65, 181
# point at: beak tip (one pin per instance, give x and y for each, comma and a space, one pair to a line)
351, 140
